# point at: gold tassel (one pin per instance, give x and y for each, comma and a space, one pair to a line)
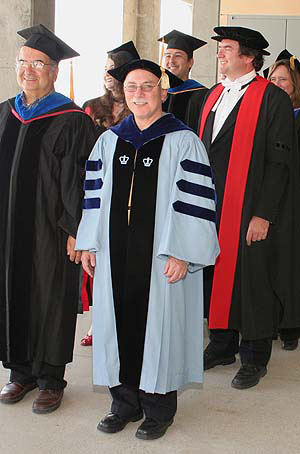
164, 79
72, 97
292, 62
162, 51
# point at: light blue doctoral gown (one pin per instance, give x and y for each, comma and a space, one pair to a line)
173, 350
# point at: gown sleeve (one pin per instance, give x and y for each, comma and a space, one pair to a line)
278, 161
194, 109
190, 232
88, 236
78, 138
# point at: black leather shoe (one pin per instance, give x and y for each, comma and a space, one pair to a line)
290, 344
113, 423
211, 359
248, 376
150, 429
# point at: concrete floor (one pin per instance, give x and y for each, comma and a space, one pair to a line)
214, 420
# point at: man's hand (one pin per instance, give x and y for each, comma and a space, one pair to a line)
88, 260
257, 230
73, 255
175, 269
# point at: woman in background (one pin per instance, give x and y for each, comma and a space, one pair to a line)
285, 73
110, 109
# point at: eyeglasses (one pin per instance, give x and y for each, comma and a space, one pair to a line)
146, 87
35, 64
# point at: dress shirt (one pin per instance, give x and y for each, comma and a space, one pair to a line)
231, 94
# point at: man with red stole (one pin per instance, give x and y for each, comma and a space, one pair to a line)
246, 125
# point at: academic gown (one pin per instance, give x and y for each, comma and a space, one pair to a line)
297, 127
185, 102
89, 107
147, 332
266, 289
41, 173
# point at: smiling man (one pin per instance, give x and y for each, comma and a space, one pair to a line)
147, 231
45, 139
184, 100
247, 127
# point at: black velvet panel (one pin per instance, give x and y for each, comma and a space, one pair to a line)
194, 211
122, 175
93, 165
131, 250
23, 230
196, 189
178, 104
20, 217
196, 167
92, 203
7, 151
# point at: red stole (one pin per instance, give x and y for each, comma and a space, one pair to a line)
237, 175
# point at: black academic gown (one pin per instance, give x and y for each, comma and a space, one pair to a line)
297, 127
266, 286
186, 106
41, 172
92, 104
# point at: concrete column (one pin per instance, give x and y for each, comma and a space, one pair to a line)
129, 20
15, 15
142, 25
43, 12
205, 17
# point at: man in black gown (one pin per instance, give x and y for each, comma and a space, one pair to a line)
185, 100
44, 142
248, 130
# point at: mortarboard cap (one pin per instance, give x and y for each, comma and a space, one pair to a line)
179, 40
121, 72
128, 47
40, 38
285, 55
245, 36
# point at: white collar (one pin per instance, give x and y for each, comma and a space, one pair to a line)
240, 81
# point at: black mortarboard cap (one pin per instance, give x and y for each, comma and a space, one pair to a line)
127, 47
245, 36
40, 38
121, 72
285, 55
179, 40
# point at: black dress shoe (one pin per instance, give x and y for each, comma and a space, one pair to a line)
113, 423
211, 359
290, 344
14, 392
248, 376
150, 429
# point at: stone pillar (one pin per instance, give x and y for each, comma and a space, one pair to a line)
43, 12
142, 25
206, 16
130, 20
15, 15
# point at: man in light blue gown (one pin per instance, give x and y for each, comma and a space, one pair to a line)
147, 231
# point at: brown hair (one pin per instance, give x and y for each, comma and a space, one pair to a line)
295, 77
258, 59
102, 107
